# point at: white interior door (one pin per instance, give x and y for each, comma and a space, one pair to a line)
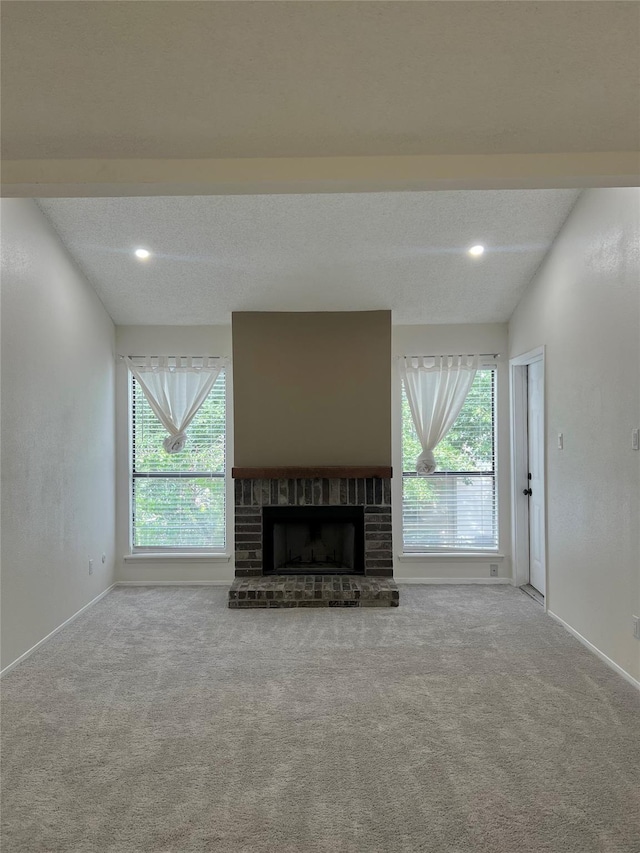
535, 408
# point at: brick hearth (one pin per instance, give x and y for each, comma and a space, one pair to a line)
313, 591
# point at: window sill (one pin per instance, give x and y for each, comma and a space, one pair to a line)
163, 556
457, 556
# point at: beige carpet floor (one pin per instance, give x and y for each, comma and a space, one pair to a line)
465, 720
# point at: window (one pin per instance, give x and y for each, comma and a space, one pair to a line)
178, 500
455, 508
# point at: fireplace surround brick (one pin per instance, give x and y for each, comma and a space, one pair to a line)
372, 493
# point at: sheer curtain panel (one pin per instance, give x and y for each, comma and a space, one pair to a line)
436, 389
175, 388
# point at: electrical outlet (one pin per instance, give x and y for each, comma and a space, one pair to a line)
90, 566
493, 570
636, 627
635, 439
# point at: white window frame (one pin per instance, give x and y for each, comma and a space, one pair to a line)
152, 551
492, 552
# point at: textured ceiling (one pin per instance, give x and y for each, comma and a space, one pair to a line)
287, 79
334, 252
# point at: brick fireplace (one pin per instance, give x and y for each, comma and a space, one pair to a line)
255, 497
312, 454
316, 563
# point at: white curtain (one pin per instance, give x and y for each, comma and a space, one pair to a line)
436, 389
175, 388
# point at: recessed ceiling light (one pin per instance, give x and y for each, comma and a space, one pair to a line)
143, 254
476, 251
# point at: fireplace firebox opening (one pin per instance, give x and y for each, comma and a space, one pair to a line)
311, 539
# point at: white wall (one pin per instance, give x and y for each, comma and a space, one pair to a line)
58, 458
584, 306
443, 339
166, 340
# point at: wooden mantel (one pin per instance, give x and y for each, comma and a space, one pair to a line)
310, 472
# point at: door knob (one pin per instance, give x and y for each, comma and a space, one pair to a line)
527, 492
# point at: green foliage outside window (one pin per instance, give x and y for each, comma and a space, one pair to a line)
180, 512
467, 447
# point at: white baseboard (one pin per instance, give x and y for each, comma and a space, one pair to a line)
174, 583
41, 642
596, 651
219, 582
397, 579
453, 580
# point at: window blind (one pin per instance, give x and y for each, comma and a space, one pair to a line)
178, 500
455, 508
